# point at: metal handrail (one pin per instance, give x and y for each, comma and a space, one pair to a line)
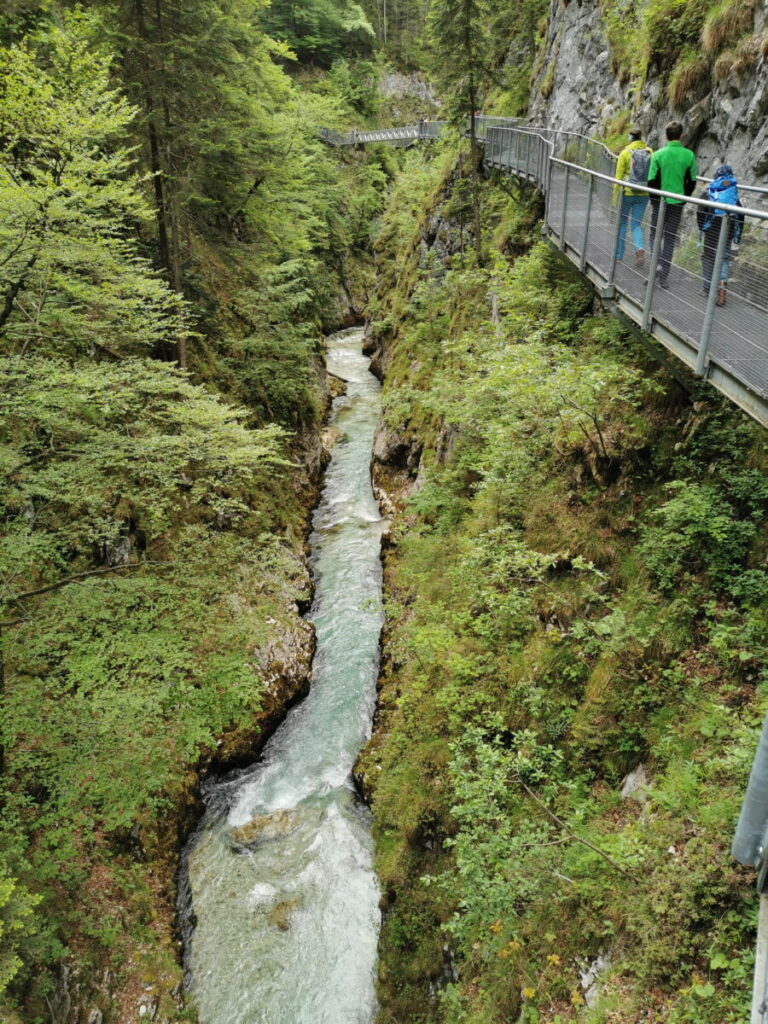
660, 193
432, 129
584, 218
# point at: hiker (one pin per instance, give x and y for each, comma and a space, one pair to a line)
633, 166
673, 169
723, 188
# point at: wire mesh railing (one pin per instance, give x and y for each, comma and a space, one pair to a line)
428, 130
691, 272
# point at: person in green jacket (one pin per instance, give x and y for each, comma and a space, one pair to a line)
633, 166
673, 169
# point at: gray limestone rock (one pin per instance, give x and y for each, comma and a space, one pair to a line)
730, 123
635, 785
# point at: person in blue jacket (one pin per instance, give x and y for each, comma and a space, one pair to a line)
723, 188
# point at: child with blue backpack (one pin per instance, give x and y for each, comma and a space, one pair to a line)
724, 189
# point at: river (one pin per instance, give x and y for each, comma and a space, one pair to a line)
284, 900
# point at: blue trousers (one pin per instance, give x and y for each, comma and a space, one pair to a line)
632, 213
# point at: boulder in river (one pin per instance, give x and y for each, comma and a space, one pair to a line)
264, 827
280, 914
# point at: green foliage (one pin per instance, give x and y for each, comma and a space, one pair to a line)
320, 30
356, 83
16, 924
93, 454
162, 185
695, 531
650, 38
72, 279
576, 587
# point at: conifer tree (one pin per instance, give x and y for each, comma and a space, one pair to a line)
456, 30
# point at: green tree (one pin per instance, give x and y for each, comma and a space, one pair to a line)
457, 31
70, 265
319, 31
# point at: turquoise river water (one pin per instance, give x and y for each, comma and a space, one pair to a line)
284, 901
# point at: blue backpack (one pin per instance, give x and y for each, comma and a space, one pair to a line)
723, 190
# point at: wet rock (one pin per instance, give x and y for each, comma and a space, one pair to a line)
280, 915
95, 1017
587, 90
331, 437
395, 83
264, 827
389, 448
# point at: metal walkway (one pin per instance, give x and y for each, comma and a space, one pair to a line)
727, 344
428, 130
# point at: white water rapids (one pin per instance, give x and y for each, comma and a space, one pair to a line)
283, 896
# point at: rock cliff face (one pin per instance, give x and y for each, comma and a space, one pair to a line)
577, 90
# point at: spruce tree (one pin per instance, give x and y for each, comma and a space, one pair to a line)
456, 31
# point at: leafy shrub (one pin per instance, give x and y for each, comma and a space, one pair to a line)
695, 531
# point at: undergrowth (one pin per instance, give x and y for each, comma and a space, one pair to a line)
576, 591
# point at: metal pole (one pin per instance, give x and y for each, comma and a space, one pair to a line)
516, 150
540, 161
760, 987
616, 232
565, 208
528, 156
587, 217
709, 313
548, 184
654, 264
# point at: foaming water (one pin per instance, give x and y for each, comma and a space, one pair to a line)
283, 895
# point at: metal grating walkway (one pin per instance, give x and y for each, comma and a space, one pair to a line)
727, 344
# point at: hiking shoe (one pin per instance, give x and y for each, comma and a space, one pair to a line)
720, 300
640, 257
663, 282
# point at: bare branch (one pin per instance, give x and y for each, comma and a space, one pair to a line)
562, 824
15, 598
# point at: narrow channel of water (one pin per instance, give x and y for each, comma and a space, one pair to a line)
283, 894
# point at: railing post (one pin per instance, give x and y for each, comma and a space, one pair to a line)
709, 313
565, 208
547, 184
616, 233
587, 218
528, 155
540, 161
516, 134
654, 264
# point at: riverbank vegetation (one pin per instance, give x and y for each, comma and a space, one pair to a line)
172, 246
574, 660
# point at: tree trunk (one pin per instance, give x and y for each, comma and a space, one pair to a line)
474, 154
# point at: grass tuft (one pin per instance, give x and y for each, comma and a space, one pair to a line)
688, 81
726, 23
741, 58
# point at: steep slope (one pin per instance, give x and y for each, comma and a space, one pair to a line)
575, 658
602, 65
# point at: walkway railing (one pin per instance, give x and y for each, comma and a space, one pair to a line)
727, 344
411, 132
